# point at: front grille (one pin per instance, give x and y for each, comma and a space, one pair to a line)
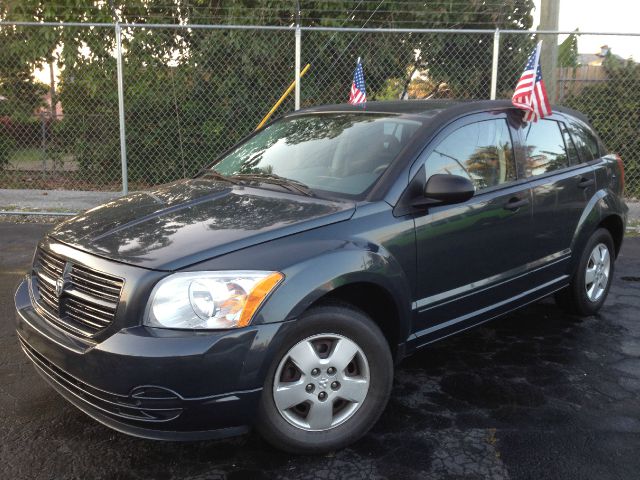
74, 297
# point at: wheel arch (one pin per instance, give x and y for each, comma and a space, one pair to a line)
370, 279
614, 224
377, 303
603, 210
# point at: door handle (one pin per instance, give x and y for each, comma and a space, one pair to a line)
585, 182
515, 203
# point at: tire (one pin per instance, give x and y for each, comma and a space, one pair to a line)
577, 298
322, 336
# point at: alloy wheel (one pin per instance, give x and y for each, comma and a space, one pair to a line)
597, 273
321, 382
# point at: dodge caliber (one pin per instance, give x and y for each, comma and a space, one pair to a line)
278, 288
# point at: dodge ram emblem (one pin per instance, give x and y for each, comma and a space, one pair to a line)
59, 286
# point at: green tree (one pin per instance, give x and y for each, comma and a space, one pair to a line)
612, 107
568, 51
20, 93
192, 93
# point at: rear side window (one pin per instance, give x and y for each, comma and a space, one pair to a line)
481, 152
585, 141
545, 149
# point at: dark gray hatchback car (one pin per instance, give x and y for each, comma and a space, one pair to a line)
278, 287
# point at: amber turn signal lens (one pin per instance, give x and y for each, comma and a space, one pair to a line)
257, 296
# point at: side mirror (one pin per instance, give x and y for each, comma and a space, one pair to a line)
440, 189
448, 189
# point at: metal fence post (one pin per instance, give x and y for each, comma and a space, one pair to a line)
123, 137
494, 63
298, 63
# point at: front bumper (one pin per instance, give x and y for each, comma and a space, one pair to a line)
152, 383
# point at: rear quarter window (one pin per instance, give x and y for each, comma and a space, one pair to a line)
585, 141
572, 152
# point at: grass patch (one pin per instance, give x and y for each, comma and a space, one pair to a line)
14, 208
26, 155
633, 228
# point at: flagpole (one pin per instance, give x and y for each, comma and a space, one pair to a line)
535, 69
494, 63
530, 93
537, 57
298, 35
282, 98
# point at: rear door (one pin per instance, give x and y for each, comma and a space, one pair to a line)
590, 149
562, 180
469, 254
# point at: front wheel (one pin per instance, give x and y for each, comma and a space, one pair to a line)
328, 384
592, 280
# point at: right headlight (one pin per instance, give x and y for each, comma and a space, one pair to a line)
209, 300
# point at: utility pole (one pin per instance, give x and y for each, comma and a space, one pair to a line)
298, 55
549, 14
52, 90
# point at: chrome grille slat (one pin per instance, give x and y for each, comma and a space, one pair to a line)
84, 320
51, 262
86, 297
72, 302
53, 306
89, 299
93, 291
52, 257
78, 313
79, 269
49, 296
75, 277
46, 283
50, 271
48, 279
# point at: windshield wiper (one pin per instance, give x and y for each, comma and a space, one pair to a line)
219, 176
278, 180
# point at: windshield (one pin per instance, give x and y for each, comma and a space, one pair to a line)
336, 153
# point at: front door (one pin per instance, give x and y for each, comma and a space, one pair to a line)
469, 255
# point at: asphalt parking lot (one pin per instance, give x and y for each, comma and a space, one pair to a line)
535, 395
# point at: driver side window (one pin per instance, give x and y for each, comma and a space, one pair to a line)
481, 151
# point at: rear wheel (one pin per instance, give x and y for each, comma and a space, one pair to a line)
591, 282
329, 383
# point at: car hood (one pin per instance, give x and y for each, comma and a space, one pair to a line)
190, 221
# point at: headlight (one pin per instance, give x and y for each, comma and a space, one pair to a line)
209, 300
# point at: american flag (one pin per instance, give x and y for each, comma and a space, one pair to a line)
358, 93
530, 94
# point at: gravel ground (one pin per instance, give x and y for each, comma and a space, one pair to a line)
534, 395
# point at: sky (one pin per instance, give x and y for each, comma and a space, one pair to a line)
621, 16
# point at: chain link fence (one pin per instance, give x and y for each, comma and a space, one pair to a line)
191, 93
